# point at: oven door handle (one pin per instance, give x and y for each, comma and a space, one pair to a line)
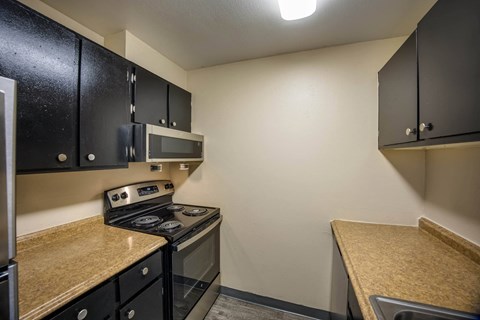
196, 237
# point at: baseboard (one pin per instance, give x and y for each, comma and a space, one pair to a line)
275, 303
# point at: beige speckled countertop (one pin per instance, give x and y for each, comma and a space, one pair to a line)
409, 263
60, 264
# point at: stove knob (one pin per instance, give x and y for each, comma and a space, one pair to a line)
167, 186
124, 195
171, 185
115, 197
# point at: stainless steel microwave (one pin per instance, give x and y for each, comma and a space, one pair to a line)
157, 144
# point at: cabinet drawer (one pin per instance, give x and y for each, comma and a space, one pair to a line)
147, 306
139, 276
99, 304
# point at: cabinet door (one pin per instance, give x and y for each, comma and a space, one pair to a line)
449, 68
150, 98
43, 57
146, 306
99, 304
397, 96
104, 107
179, 108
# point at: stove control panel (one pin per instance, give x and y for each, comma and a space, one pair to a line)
138, 192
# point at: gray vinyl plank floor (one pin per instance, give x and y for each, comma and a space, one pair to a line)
227, 308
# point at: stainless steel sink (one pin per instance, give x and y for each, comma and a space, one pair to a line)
395, 309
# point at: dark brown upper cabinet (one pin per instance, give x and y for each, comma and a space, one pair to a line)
447, 59
158, 102
150, 98
42, 57
180, 108
449, 69
73, 99
397, 96
104, 107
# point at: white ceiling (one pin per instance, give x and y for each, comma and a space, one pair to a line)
201, 33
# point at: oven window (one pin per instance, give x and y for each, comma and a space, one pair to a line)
194, 268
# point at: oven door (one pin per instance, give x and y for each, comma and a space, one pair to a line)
195, 264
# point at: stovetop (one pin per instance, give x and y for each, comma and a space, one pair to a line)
148, 207
158, 221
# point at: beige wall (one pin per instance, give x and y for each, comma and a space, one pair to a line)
452, 196
291, 143
134, 49
47, 200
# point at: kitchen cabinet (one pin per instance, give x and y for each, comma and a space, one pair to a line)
42, 57
159, 102
104, 107
147, 306
446, 62
98, 304
397, 96
180, 108
73, 102
344, 303
136, 293
449, 69
150, 98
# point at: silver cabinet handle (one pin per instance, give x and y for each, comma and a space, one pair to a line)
82, 314
91, 157
427, 126
62, 157
174, 124
410, 131
145, 271
162, 121
130, 314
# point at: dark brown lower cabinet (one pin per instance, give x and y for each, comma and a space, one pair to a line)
99, 304
344, 303
146, 306
141, 287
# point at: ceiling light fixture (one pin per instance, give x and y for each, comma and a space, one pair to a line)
297, 9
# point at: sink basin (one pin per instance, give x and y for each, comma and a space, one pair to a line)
395, 309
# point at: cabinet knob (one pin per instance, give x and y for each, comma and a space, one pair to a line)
82, 314
145, 271
62, 157
427, 126
174, 124
162, 121
91, 157
410, 131
130, 314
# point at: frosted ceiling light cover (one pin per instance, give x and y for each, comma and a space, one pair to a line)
297, 9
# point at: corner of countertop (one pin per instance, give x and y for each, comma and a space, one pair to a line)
453, 240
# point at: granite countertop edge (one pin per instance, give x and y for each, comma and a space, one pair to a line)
444, 237
39, 242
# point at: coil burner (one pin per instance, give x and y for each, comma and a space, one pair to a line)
170, 225
146, 222
175, 207
195, 212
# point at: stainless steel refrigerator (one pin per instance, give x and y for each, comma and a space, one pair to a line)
8, 266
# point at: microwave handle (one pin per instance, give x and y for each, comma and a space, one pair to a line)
196, 237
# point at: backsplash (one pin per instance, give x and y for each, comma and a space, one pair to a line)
47, 200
